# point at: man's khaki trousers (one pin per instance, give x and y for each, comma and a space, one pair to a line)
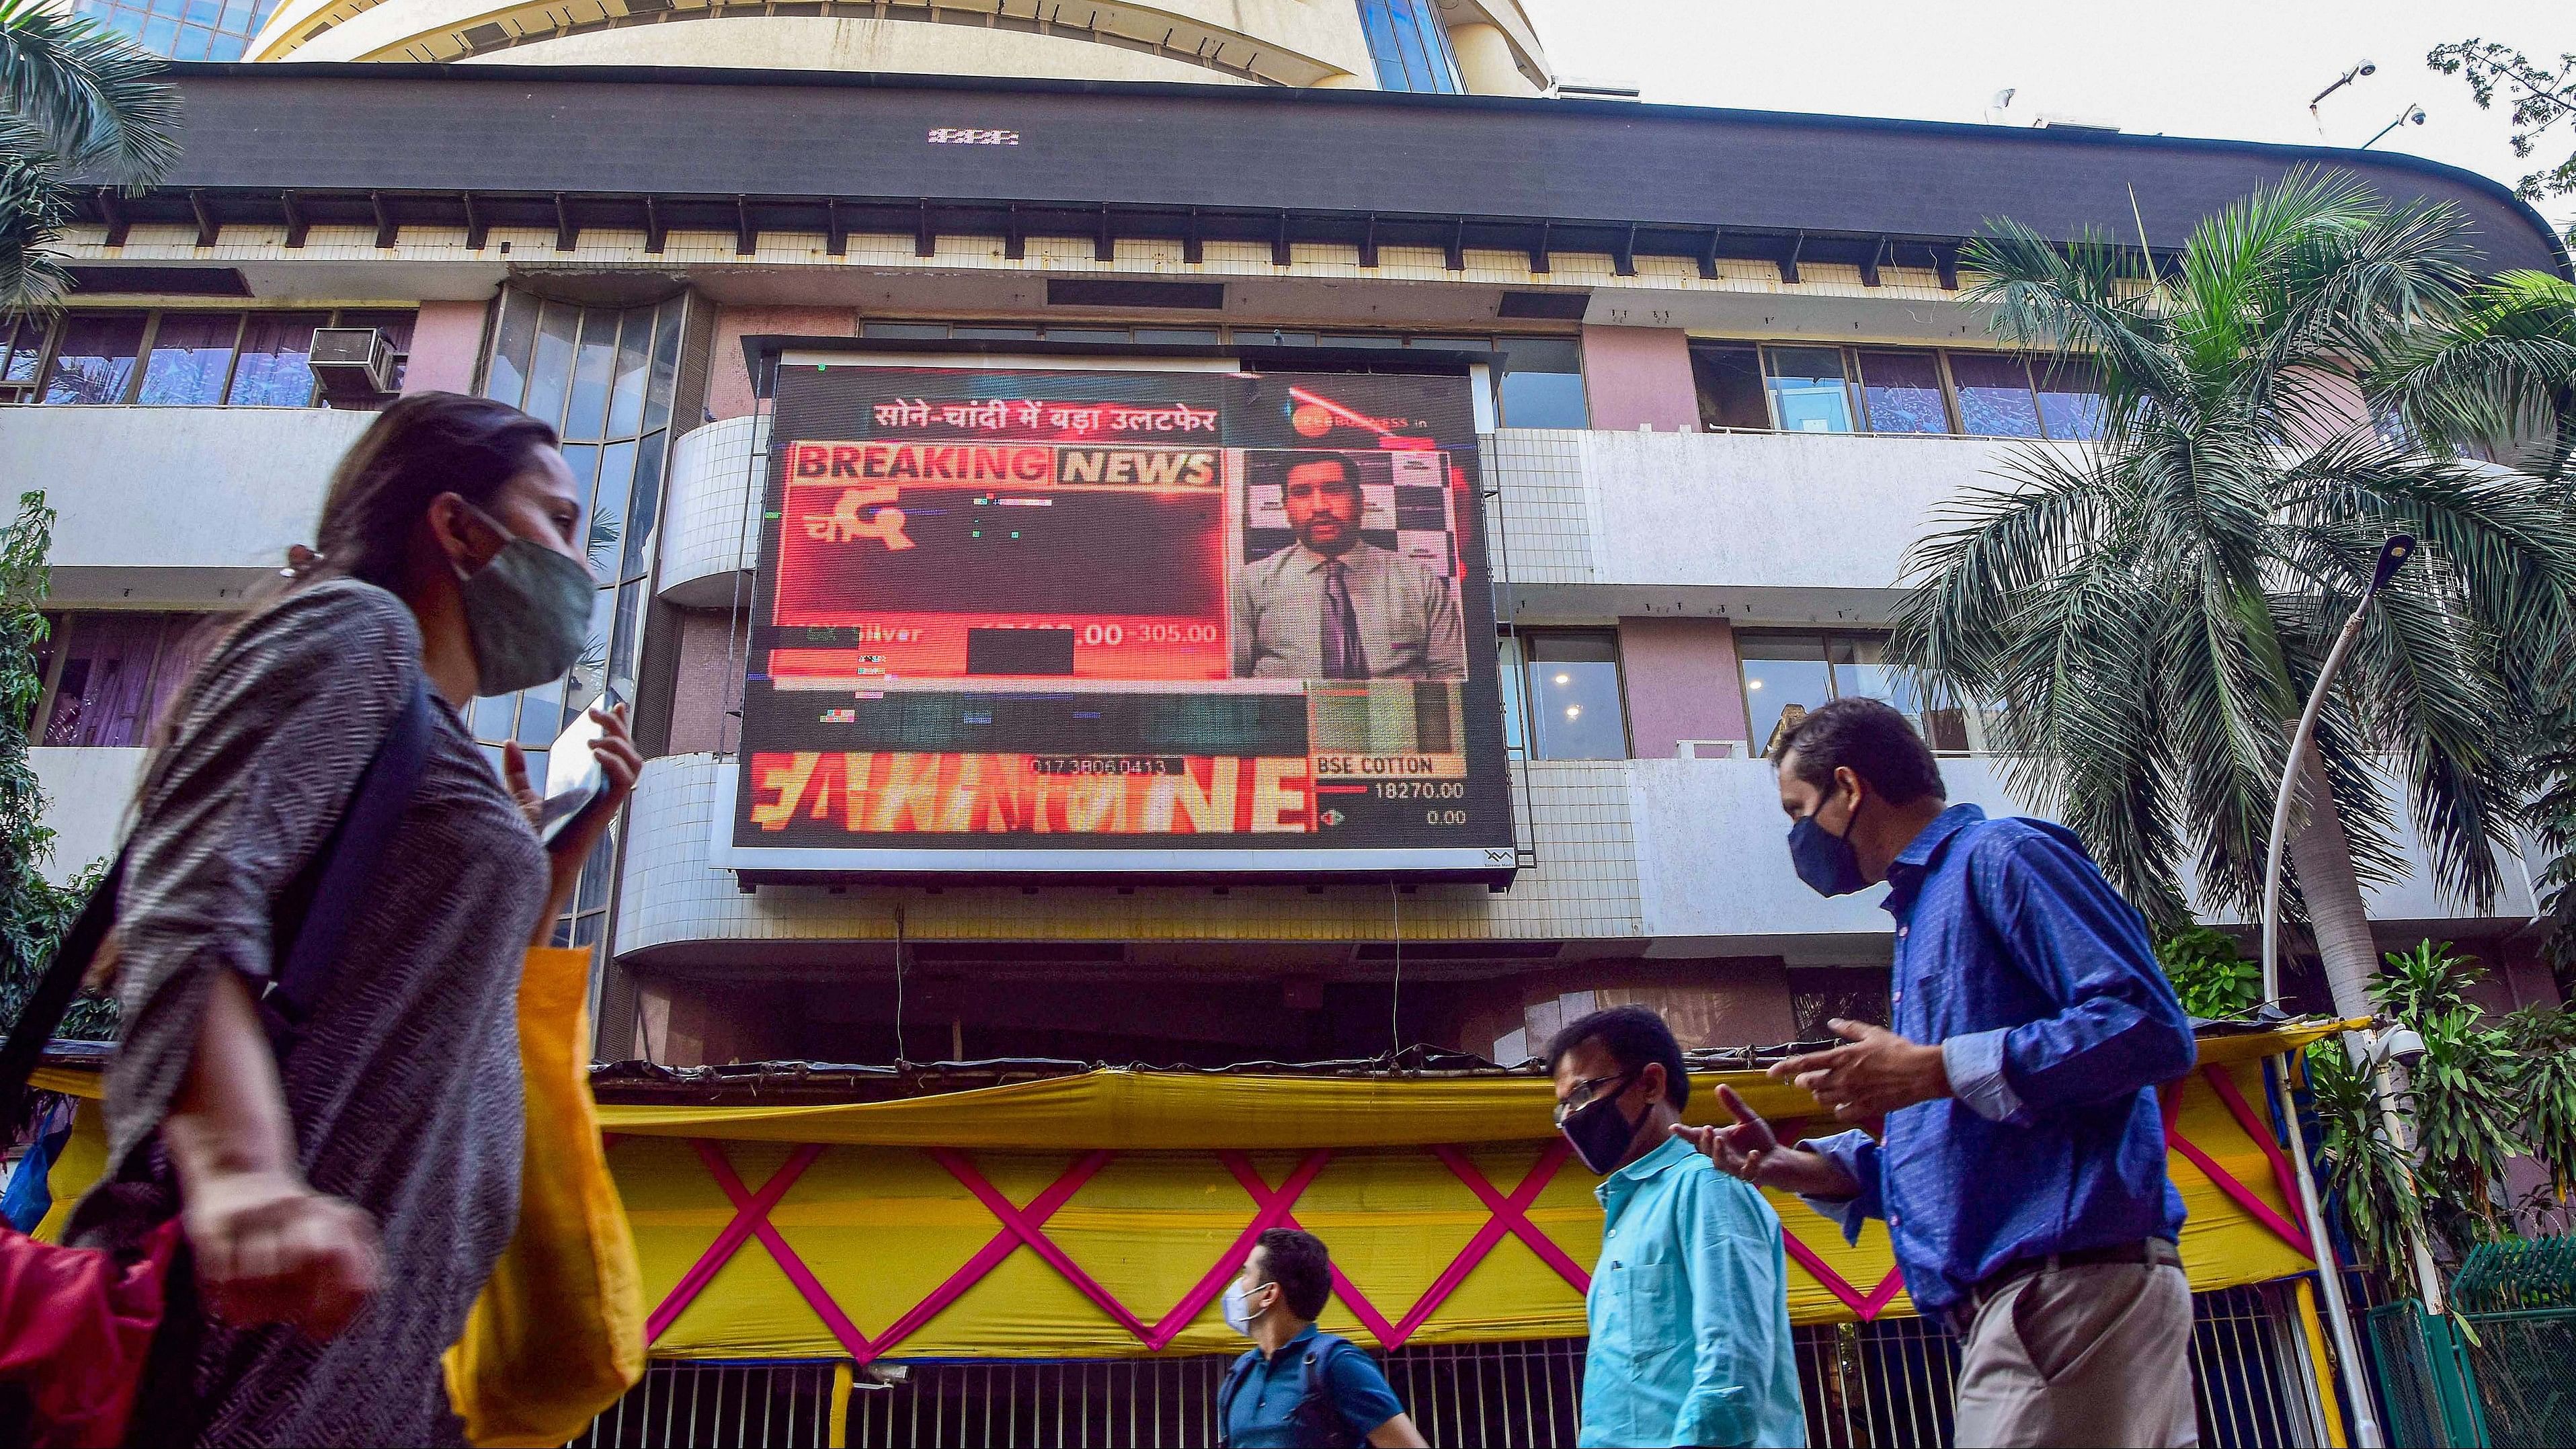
2092, 1354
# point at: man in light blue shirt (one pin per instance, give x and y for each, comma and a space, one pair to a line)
1689, 1305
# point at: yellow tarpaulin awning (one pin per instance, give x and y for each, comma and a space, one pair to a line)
1099, 1214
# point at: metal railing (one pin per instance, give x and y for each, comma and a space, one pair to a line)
1886, 1383
729, 1405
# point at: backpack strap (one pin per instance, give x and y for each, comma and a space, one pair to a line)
311, 918
1234, 1377
1316, 1407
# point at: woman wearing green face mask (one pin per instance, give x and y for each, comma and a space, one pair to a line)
346, 1186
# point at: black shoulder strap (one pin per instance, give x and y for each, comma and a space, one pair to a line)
313, 911
334, 883
1316, 1405
1234, 1377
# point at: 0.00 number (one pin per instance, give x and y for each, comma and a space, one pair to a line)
1444, 817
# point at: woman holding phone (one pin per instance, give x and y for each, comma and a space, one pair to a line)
345, 1193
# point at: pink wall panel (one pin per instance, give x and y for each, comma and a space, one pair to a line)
446, 343
708, 657
1682, 682
728, 384
1637, 377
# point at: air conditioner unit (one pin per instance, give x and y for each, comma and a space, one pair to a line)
352, 362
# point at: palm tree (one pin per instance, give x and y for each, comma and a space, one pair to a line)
76, 103
2151, 611
2500, 379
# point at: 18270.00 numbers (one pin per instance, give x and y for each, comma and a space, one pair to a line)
1428, 790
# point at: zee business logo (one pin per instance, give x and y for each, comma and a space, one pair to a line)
971, 136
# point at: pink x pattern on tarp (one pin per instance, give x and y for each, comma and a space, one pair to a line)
2169, 1098
1866, 1305
751, 1220
747, 1215
1016, 1230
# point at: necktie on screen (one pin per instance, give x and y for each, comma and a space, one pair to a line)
1344, 658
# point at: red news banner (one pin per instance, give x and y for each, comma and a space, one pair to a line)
930, 551
891, 792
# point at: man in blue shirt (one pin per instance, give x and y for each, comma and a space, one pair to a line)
1689, 1305
1296, 1386
2010, 1136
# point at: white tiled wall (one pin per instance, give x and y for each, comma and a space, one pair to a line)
1585, 885
706, 529
1544, 531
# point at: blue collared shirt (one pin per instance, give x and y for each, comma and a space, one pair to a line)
2036, 978
1263, 1414
1689, 1311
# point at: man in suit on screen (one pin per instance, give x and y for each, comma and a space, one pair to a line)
1333, 605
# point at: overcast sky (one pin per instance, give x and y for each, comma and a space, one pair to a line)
2241, 69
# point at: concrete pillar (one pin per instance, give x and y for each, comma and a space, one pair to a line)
1486, 62
1683, 683
729, 382
1635, 377
708, 658
446, 343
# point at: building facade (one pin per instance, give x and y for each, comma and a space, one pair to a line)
1721, 376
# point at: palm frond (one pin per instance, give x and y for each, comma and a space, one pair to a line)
33, 207
91, 94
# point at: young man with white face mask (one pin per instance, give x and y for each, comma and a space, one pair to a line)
1298, 1386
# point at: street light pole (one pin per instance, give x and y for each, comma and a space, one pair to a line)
2366, 1432
2412, 112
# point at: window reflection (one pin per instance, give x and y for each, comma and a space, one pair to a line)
550, 367
1542, 384
1575, 709
22, 346
2070, 399
594, 364
1782, 670
119, 672
1994, 396
506, 376
1409, 46
94, 360
1808, 391
1902, 391
272, 371
606, 375
192, 357
1515, 698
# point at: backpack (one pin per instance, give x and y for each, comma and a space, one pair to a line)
1319, 1420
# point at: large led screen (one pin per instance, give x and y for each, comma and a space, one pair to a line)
1040, 620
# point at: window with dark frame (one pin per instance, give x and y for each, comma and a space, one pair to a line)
111, 673
1787, 673
1729, 379
1746, 386
604, 378
1576, 706
181, 358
